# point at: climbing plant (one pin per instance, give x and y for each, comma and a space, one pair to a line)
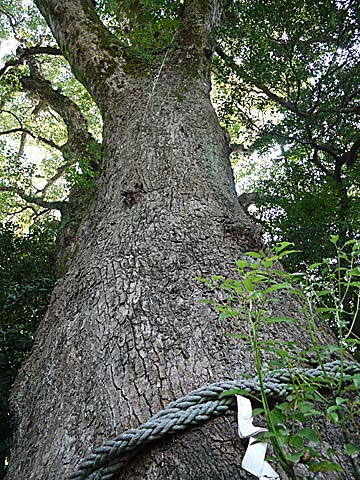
248, 299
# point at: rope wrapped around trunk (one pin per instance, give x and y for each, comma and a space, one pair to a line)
195, 408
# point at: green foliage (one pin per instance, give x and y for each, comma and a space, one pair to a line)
287, 88
24, 22
26, 281
303, 53
41, 154
150, 28
335, 287
248, 299
304, 207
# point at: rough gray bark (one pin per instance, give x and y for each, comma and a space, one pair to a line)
125, 333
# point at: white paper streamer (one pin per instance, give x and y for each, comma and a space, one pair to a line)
254, 458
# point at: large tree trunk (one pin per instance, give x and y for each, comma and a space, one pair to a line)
125, 333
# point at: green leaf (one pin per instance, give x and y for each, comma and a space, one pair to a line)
309, 434
296, 291
234, 391
202, 280
237, 335
280, 319
248, 284
281, 246
321, 293
305, 407
356, 380
266, 435
324, 466
332, 414
351, 449
216, 278
278, 286
350, 242
324, 310
300, 417
283, 406
334, 239
257, 411
282, 353
295, 457
297, 442
253, 255
241, 264
267, 262
278, 417
314, 266
355, 272
339, 401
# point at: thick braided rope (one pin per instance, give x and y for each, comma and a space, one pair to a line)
195, 408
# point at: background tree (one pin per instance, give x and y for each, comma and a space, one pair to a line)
300, 69
125, 332
26, 281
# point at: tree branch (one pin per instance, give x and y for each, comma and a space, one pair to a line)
22, 145
271, 95
13, 115
75, 121
351, 155
13, 23
237, 148
80, 143
9, 64
315, 160
324, 147
33, 135
66, 108
79, 140
14, 213
60, 205
27, 53
39, 50
59, 173
348, 158
317, 147
93, 52
256, 198
11, 18
199, 19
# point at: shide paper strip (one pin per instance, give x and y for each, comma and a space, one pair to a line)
254, 458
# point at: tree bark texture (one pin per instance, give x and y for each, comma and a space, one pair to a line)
125, 333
